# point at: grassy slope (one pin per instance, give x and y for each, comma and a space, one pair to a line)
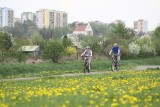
49, 68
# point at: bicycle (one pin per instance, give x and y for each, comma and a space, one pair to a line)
86, 64
115, 63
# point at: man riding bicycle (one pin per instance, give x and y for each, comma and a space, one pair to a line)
115, 51
88, 53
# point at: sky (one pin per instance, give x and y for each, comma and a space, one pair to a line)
94, 10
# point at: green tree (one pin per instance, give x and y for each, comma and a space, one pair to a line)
37, 39
5, 41
47, 33
28, 28
5, 45
58, 33
54, 50
66, 41
94, 43
156, 39
121, 30
98, 28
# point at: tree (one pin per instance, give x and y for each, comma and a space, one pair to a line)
157, 32
98, 28
5, 41
5, 45
46, 33
58, 33
121, 30
156, 39
54, 50
66, 41
28, 28
38, 40
94, 43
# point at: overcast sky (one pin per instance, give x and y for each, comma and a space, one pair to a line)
91, 10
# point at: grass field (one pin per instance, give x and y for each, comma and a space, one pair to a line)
118, 89
17, 70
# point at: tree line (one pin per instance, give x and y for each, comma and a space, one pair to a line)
54, 47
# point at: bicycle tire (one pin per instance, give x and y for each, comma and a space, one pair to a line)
113, 68
86, 67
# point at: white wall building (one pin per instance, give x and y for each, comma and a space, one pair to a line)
83, 29
141, 26
6, 17
40, 19
28, 16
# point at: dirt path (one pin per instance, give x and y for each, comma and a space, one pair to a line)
143, 67
63, 75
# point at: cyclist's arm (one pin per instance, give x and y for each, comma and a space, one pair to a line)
110, 52
91, 54
118, 51
83, 53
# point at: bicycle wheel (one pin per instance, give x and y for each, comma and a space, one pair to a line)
117, 66
113, 67
87, 68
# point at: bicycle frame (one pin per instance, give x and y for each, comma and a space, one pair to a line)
86, 64
115, 65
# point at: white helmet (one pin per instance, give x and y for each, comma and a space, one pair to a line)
87, 47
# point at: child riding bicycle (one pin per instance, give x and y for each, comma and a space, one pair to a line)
88, 53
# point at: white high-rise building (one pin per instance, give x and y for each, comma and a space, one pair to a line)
6, 17
28, 16
51, 18
40, 18
141, 26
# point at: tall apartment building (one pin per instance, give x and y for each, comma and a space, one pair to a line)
6, 17
141, 26
51, 18
28, 16
42, 18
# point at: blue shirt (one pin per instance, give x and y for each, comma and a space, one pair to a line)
115, 49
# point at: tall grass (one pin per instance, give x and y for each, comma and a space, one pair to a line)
49, 68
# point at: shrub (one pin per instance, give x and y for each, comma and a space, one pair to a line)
134, 49
71, 50
54, 50
147, 46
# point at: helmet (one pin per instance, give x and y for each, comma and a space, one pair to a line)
115, 44
87, 47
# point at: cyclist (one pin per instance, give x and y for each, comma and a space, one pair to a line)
115, 51
87, 53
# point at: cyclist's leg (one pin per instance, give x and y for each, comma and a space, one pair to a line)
118, 59
89, 62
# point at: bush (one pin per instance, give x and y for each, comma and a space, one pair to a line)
71, 50
134, 49
54, 50
147, 46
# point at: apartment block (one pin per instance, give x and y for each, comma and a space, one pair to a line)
141, 26
28, 16
51, 18
6, 17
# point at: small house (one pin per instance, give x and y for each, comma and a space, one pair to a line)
83, 30
30, 49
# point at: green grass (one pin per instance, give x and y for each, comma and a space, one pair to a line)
122, 89
49, 68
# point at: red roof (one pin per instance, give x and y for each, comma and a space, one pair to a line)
80, 28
